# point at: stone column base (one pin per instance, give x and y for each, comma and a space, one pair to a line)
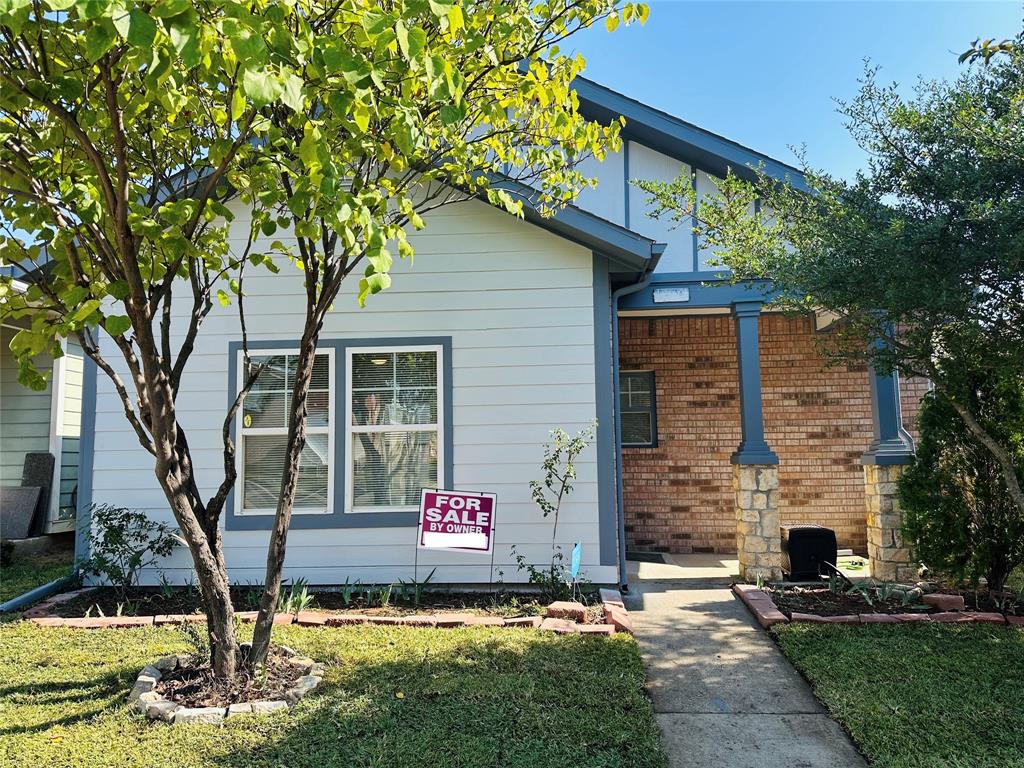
888, 553
758, 541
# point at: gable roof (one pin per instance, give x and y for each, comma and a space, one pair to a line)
677, 138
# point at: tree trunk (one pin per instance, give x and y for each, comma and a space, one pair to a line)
283, 516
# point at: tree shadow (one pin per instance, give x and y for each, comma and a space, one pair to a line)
472, 699
106, 691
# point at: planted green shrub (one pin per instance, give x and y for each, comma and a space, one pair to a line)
122, 542
959, 517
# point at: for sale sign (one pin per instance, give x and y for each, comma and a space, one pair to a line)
456, 520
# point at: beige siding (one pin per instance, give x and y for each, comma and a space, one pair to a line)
518, 305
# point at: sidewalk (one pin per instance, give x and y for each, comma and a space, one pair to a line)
724, 695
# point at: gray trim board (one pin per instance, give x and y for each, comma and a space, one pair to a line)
706, 289
338, 518
86, 451
677, 138
605, 405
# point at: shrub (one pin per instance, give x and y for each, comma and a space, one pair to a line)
958, 515
122, 542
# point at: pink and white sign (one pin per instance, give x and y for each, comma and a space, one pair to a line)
457, 520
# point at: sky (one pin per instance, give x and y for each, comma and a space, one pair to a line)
765, 74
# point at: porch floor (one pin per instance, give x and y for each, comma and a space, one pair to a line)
715, 568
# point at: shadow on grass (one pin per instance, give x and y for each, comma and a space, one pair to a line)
532, 701
105, 691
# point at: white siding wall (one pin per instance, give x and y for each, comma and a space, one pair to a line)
518, 304
607, 199
646, 164
71, 427
24, 414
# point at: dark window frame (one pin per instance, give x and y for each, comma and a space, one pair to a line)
651, 410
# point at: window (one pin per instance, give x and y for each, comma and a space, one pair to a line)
394, 437
636, 400
264, 436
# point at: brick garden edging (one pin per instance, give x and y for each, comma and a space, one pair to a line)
563, 617
767, 613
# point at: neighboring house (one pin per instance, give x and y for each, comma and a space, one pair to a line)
46, 421
504, 329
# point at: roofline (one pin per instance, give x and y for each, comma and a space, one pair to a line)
677, 138
622, 246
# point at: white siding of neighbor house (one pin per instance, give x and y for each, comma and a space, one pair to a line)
517, 303
70, 428
24, 413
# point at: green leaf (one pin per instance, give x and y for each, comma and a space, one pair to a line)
374, 23
141, 28
455, 19
450, 115
440, 7
292, 92
612, 22
361, 116
237, 104
165, 9
117, 325
261, 87
223, 298
99, 39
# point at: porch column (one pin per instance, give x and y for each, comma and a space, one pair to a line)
755, 465
890, 450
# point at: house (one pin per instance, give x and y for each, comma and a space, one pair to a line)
716, 420
39, 439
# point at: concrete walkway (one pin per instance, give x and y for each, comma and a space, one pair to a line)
724, 695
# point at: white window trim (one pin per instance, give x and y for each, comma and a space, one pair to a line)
350, 507
329, 430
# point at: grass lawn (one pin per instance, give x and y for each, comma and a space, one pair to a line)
919, 695
391, 696
30, 572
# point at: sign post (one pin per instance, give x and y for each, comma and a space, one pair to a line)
461, 521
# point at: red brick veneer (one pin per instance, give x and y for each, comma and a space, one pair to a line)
679, 496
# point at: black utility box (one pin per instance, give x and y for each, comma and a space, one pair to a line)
804, 549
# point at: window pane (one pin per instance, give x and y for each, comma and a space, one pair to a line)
272, 375
635, 390
636, 429
417, 369
263, 409
373, 370
390, 469
321, 374
317, 409
264, 464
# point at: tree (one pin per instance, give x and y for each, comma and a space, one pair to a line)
957, 514
125, 127
921, 256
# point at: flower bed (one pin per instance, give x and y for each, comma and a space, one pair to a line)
770, 609
607, 617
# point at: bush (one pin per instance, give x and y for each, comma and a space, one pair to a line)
122, 542
958, 515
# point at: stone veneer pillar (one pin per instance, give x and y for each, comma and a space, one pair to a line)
889, 555
758, 539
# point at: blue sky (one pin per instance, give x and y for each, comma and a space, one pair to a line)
765, 73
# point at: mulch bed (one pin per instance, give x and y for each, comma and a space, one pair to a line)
195, 686
824, 602
144, 601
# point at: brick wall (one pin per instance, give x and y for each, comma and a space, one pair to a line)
679, 495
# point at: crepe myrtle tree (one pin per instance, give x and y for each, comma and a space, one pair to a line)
920, 256
125, 128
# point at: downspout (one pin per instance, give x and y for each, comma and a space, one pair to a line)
645, 279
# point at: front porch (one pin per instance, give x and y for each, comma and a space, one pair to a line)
751, 429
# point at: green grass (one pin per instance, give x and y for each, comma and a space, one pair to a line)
30, 572
919, 695
469, 697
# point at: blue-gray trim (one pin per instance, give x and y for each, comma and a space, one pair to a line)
86, 452
753, 449
629, 251
677, 138
620, 506
338, 518
35, 595
707, 290
892, 444
625, 183
693, 228
605, 403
